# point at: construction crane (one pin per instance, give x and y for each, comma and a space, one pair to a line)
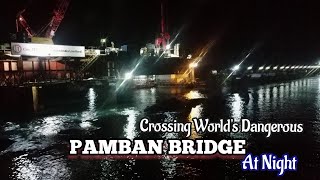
58, 15
163, 39
22, 22
162, 45
51, 27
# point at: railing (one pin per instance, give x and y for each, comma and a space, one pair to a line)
88, 63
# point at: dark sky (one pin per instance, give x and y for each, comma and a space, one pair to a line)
287, 31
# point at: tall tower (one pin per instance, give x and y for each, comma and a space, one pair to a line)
163, 39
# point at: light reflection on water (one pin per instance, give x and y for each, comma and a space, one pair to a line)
236, 107
130, 128
25, 168
194, 94
45, 167
316, 124
38, 134
168, 166
50, 126
91, 113
172, 167
196, 112
169, 117
297, 101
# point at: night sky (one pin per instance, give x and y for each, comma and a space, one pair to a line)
285, 31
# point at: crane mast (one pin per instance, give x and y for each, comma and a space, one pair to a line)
162, 44
163, 39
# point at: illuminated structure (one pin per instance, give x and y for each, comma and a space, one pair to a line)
20, 65
162, 46
41, 60
49, 30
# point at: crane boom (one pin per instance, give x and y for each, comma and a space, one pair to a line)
22, 22
58, 15
51, 28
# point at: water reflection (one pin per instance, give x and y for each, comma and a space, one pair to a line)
274, 99
316, 124
38, 134
45, 167
195, 113
194, 94
130, 128
171, 167
36, 149
50, 126
169, 117
142, 98
92, 99
91, 113
236, 107
175, 90
25, 168
267, 95
168, 166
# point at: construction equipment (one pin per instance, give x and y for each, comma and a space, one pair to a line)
162, 45
23, 23
58, 15
48, 31
163, 40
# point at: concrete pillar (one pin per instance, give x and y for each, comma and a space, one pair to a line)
193, 80
109, 74
35, 98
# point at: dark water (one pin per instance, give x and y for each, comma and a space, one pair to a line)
36, 148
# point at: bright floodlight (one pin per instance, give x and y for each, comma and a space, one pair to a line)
287, 67
260, 68
168, 46
193, 65
236, 67
128, 75
276, 67
249, 68
282, 67
267, 68
103, 40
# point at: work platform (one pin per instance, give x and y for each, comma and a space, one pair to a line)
26, 69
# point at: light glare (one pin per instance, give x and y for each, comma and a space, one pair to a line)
236, 67
193, 65
128, 75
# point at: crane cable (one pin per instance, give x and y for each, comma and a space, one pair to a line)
43, 28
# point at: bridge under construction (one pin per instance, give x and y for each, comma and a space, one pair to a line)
28, 63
